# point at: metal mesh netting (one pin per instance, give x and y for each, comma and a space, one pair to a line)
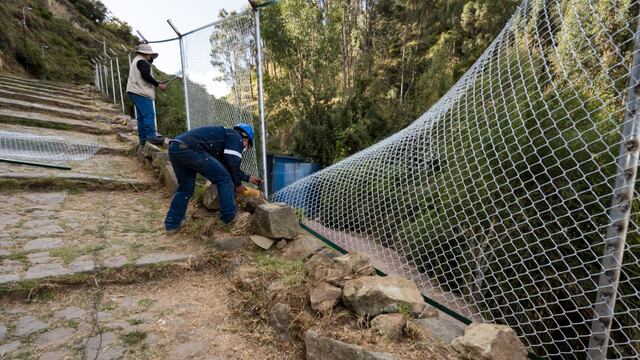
44, 149
498, 200
219, 63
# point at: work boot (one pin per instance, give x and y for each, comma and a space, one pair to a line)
176, 230
158, 140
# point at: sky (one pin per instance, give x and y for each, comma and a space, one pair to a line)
150, 18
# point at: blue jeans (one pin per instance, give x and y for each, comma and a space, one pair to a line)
145, 117
186, 164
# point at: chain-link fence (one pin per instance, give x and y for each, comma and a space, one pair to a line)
220, 68
498, 200
22, 147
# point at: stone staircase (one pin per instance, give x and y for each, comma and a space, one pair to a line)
103, 215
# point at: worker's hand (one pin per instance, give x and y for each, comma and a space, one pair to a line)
255, 180
162, 86
240, 189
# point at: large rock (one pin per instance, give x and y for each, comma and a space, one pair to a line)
324, 296
356, 263
321, 348
149, 150
323, 269
276, 220
337, 269
262, 241
490, 342
229, 243
373, 295
301, 248
210, 198
159, 159
168, 178
390, 326
280, 319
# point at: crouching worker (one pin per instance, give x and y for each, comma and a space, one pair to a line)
214, 152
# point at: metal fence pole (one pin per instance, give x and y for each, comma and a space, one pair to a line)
120, 84
113, 85
99, 70
183, 60
184, 73
263, 133
619, 214
106, 78
155, 116
95, 73
135, 111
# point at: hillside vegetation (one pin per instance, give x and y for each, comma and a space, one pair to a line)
73, 31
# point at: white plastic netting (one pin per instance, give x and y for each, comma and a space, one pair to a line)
220, 71
498, 200
44, 149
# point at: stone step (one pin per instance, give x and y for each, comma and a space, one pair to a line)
37, 119
100, 172
25, 89
72, 99
53, 110
45, 100
89, 96
109, 144
47, 85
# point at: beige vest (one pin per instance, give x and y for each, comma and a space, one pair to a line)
136, 84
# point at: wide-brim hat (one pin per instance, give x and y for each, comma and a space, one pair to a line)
147, 50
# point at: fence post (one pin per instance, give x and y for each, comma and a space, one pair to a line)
119, 79
95, 73
106, 78
155, 116
184, 73
263, 134
135, 111
183, 60
100, 75
113, 85
627, 165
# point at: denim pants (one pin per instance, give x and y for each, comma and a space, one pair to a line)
186, 164
145, 117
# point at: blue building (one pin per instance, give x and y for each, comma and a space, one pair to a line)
284, 170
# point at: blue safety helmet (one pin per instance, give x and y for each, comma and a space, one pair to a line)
246, 129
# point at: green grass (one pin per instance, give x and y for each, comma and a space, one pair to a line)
109, 305
134, 322
293, 273
133, 338
20, 256
145, 303
70, 253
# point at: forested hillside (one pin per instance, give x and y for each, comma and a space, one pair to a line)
341, 75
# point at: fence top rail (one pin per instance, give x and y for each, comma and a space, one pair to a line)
219, 21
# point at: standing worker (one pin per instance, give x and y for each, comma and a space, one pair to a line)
216, 153
141, 88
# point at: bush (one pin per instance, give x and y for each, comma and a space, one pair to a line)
30, 58
93, 10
